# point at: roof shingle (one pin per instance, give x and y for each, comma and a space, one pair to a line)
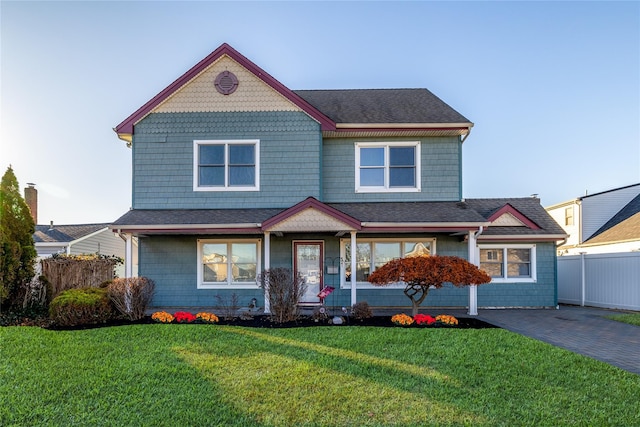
392, 106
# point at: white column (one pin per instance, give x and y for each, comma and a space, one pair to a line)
473, 289
353, 268
267, 266
128, 255
583, 279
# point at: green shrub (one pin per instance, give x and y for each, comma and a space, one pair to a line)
85, 306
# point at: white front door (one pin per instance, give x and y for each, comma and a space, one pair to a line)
308, 261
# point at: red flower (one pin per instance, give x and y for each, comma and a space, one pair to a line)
424, 319
184, 317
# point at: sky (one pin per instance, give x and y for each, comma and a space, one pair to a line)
553, 88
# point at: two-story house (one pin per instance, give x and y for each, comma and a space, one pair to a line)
603, 222
234, 173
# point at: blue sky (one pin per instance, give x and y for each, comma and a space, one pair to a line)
552, 87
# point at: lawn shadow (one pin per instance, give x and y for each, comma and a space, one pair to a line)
283, 381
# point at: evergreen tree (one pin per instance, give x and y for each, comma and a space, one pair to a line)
17, 248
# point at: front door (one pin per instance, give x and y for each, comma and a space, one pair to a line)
307, 261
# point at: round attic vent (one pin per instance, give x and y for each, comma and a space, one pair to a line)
226, 83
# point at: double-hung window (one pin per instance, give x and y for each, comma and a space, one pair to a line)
509, 263
374, 253
387, 166
228, 263
227, 165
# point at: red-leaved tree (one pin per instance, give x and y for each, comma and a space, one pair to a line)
420, 273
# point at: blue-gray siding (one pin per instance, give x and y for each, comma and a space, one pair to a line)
294, 162
441, 171
171, 261
290, 155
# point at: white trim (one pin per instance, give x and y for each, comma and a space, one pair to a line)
322, 266
184, 226
402, 125
385, 188
226, 143
366, 285
267, 266
504, 247
429, 224
228, 284
128, 256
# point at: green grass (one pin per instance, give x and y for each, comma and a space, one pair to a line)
630, 318
189, 375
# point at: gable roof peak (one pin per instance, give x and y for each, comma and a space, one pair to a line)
125, 128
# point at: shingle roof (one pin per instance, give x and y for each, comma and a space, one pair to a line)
528, 206
625, 225
382, 106
195, 216
65, 233
471, 212
437, 212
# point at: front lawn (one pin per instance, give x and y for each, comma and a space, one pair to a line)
630, 318
329, 376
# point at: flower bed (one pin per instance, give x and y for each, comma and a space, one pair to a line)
421, 321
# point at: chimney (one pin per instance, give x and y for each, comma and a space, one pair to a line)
31, 197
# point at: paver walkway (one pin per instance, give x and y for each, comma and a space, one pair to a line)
583, 330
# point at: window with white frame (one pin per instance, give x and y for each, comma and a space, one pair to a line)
226, 165
373, 253
387, 166
568, 215
509, 263
224, 263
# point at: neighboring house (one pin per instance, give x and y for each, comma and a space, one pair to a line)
234, 173
80, 239
605, 222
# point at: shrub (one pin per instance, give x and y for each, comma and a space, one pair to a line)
84, 306
228, 306
131, 296
285, 289
361, 310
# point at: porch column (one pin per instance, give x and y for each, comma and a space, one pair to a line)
353, 268
267, 266
473, 289
128, 255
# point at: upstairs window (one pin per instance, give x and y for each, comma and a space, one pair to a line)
226, 165
387, 167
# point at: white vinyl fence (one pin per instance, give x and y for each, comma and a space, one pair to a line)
600, 280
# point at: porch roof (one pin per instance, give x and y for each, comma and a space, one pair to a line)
452, 216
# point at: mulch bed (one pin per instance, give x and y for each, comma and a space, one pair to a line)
263, 321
